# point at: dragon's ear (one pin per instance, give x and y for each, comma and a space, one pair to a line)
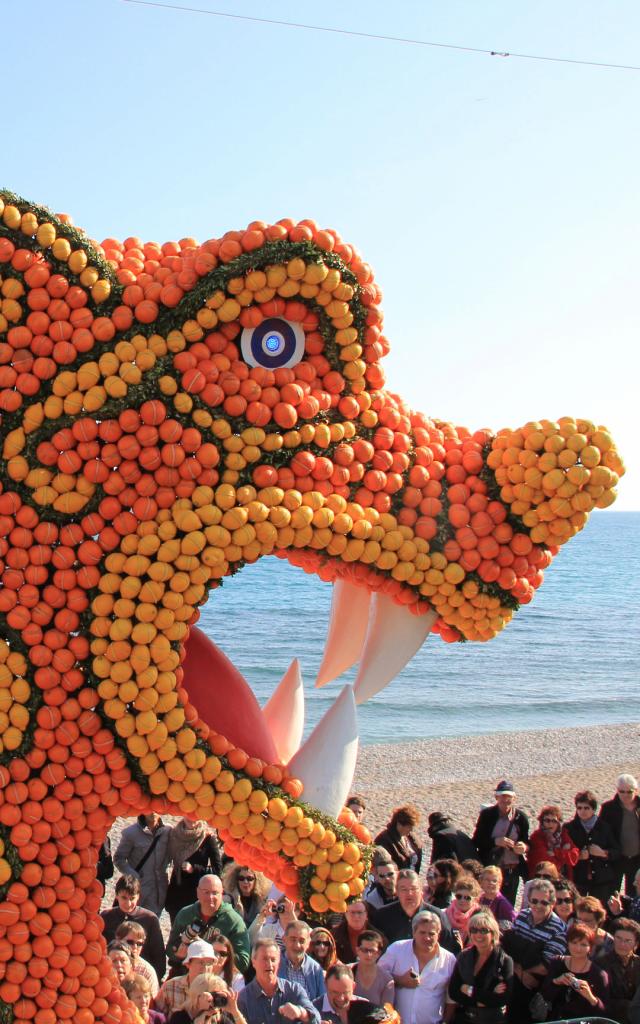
59, 345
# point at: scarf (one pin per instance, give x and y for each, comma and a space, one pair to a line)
589, 823
553, 839
459, 919
186, 837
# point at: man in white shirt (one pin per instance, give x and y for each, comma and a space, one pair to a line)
421, 971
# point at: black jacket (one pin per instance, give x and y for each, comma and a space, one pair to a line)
597, 870
451, 842
395, 924
611, 813
497, 969
389, 839
487, 852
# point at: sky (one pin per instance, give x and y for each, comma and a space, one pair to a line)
496, 198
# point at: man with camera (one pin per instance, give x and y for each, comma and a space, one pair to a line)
200, 919
269, 998
272, 919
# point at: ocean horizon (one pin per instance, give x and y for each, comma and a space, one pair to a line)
569, 658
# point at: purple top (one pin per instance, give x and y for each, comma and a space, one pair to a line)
500, 907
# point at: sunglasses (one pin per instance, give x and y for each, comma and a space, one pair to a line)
246, 878
480, 931
626, 792
135, 942
321, 942
539, 903
564, 899
463, 896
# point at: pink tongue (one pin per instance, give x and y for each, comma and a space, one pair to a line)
224, 699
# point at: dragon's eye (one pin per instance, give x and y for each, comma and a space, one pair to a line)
273, 344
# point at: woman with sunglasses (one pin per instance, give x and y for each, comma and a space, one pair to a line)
134, 937
482, 979
595, 873
566, 896
372, 981
245, 889
466, 900
551, 842
223, 963
322, 947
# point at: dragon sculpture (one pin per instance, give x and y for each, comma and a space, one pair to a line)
169, 414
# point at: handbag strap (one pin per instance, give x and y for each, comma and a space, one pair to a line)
154, 842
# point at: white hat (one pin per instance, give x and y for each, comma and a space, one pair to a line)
198, 950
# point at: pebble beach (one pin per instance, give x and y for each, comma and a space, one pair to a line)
459, 774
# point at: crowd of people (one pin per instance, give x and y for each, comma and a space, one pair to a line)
508, 925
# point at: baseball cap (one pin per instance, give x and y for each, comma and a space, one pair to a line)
198, 950
505, 788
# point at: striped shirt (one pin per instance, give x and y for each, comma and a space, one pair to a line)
552, 932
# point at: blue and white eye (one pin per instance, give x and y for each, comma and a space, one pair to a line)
274, 344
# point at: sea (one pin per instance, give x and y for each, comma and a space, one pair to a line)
571, 657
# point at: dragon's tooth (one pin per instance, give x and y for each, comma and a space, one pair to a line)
347, 630
393, 637
326, 762
284, 713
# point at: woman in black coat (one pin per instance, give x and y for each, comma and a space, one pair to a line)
482, 978
398, 839
186, 874
449, 841
595, 873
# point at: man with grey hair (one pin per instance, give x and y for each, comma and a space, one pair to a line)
394, 920
536, 928
296, 964
269, 999
622, 815
421, 970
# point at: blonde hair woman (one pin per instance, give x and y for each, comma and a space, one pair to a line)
482, 979
493, 899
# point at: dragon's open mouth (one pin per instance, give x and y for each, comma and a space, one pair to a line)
365, 628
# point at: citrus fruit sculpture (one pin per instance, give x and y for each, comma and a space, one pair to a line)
169, 414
